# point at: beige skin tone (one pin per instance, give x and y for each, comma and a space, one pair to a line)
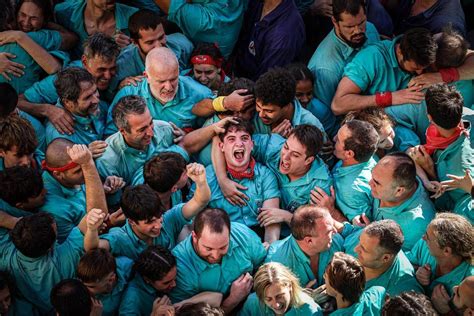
372, 257
278, 298
351, 29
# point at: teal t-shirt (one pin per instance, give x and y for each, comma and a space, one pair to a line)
253, 306
370, 303
39, 131
138, 298
324, 114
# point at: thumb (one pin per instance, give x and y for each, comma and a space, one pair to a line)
332, 191
240, 186
427, 267
9, 55
365, 219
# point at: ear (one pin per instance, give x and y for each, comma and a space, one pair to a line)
334, 22
430, 118
2, 153
447, 251
57, 174
84, 60
194, 237
68, 105
309, 160
122, 131
400, 191
174, 188
349, 153
19, 205
219, 70
221, 146
387, 257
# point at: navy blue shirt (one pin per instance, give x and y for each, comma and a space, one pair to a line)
274, 41
378, 16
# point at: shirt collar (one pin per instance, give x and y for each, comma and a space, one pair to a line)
66, 192
296, 249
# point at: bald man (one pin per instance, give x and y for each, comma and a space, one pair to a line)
169, 96
64, 182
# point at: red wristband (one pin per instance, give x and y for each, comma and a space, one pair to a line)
383, 99
449, 74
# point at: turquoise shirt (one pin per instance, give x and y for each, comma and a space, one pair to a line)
324, 114
353, 193
39, 131
111, 301
204, 156
124, 242
330, 58
370, 303
35, 277
12, 210
138, 298
195, 275
86, 128
351, 235
121, 160
413, 215
404, 138
208, 21
70, 14
177, 110
420, 255
289, 253
464, 207
253, 307
66, 205
261, 188
466, 88
49, 40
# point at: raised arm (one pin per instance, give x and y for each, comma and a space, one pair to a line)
202, 195
69, 39
7, 221
272, 231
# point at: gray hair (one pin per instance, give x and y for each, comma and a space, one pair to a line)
130, 104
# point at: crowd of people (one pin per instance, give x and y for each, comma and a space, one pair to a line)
236, 157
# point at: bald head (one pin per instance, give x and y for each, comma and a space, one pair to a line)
402, 167
161, 58
56, 153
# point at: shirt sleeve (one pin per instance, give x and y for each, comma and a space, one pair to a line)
192, 18
174, 221
117, 238
325, 85
270, 185
43, 91
359, 71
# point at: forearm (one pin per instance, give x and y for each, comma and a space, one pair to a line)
343, 103
7, 221
203, 108
164, 5
218, 160
35, 109
272, 233
95, 195
44, 59
194, 141
229, 304
199, 201
91, 240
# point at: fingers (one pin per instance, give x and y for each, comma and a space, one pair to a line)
310, 284
4, 75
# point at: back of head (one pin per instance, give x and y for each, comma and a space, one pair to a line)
408, 304
8, 99
141, 203
163, 171
444, 104
128, 105
346, 6
276, 87
373, 115
199, 309
56, 152
363, 140
300, 71
227, 88
160, 57
418, 45
17, 131
452, 49
18, 184
34, 235
101, 45
240, 125
143, 20
303, 222
95, 265
7, 16
389, 234
71, 298
68, 83
154, 263
404, 169
309, 136
213, 218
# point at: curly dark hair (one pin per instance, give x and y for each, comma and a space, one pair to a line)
276, 87
408, 304
154, 263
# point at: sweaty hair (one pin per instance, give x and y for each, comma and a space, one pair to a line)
154, 263
163, 171
95, 265
141, 203
373, 115
300, 71
71, 298
207, 49
43, 5
363, 140
444, 103
310, 137
34, 235
128, 105
17, 131
418, 45
199, 309
68, 83
227, 88
101, 45
350, 6
389, 234
213, 218
303, 222
404, 171
19, 183
276, 87
143, 20
452, 49
8, 99
241, 125
347, 276
408, 304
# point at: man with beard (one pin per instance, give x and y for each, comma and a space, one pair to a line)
351, 33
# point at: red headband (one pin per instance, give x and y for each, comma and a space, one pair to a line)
66, 167
206, 60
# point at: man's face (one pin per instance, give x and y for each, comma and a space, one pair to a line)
412, 67
88, 101
5, 301
351, 28
323, 240
148, 228
210, 246
30, 17
293, 159
386, 136
163, 81
72, 176
463, 297
270, 114
382, 185
369, 252
105, 5
11, 158
278, 297
101, 69
140, 131
432, 242
237, 146
208, 75
103, 286
151, 38
304, 91
246, 114
168, 282
183, 180
339, 140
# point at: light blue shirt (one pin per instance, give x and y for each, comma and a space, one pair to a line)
253, 306
370, 304
138, 298
324, 114
39, 131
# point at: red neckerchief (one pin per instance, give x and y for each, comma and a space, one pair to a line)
247, 174
435, 141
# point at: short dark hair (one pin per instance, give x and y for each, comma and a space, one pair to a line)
309, 136
452, 49
19, 183
444, 103
101, 45
210, 49
227, 88
418, 45
303, 222
163, 171
7, 15
143, 20
388, 232
34, 235
154, 263
350, 6
300, 71
241, 125
71, 298
44, 5
17, 131
404, 171
95, 265
68, 83
276, 87
363, 140
130, 104
214, 218
8, 99
199, 309
141, 203
408, 304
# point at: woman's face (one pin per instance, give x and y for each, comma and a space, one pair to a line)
304, 91
278, 298
30, 17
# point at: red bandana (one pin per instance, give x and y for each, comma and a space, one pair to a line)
435, 141
247, 174
66, 167
206, 60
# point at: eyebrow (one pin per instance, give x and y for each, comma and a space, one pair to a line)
216, 247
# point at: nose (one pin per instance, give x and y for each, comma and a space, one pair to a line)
419, 71
108, 74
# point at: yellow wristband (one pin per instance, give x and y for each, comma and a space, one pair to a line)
218, 104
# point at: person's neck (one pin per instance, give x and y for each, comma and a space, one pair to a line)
269, 6
375, 273
446, 265
342, 303
288, 112
242, 168
148, 240
95, 14
402, 199
165, 199
349, 162
446, 133
64, 183
294, 177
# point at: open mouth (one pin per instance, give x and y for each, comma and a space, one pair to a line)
284, 166
239, 154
